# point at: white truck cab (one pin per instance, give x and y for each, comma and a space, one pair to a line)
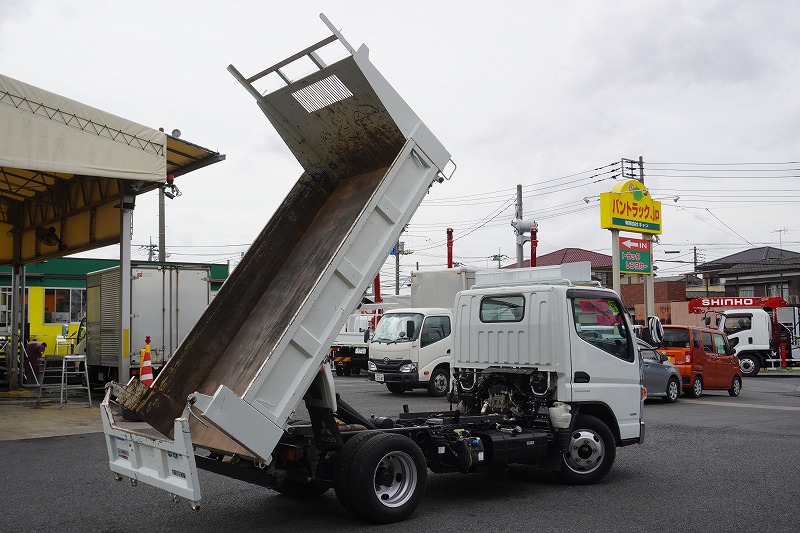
570, 345
412, 348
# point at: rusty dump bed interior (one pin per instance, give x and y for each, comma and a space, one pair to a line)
345, 148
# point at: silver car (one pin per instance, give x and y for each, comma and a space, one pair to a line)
661, 378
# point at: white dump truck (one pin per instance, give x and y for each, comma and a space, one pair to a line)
529, 388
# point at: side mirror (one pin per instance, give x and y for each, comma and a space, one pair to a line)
707, 321
655, 330
366, 335
732, 343
410, 329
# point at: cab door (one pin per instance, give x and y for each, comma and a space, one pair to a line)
709, 361
726, 364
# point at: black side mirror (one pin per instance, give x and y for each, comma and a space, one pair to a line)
366, 335
707, 321
410, 329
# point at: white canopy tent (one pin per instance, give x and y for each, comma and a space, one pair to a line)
47, 132
69, 175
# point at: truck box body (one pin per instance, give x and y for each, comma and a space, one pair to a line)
438, 288
368, 161
166, 302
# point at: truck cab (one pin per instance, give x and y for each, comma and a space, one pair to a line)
411, 348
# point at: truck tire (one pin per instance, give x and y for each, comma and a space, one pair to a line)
749, 364
348, 369
339, 370
301, 490
387, 477
342, 466
697, 387
395, 388
439, 383
736, 387
590, 454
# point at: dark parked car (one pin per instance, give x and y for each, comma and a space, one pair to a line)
661, 378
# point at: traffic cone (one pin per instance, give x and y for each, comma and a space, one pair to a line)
146, 367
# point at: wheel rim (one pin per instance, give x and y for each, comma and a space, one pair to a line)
736, 386
747, 365
586, 451
672, 389
698, 387
440, 382
395, 479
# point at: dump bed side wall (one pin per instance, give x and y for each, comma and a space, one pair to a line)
367, 167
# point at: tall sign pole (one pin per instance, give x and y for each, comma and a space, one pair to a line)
629, 207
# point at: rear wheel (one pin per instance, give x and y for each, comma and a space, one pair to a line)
736, 387
439, 383
339, 370
697, 387
590, 454
395, 388
387, 477
673, 391
749, 364
341, 470
348, 370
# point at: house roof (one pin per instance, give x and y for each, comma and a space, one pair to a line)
569, 255
764, 267
753, 256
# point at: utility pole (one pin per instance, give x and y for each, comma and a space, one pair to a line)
497, 257
162, 244
649, 286
518, 232
520, 228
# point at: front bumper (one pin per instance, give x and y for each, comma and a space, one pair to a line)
404, 378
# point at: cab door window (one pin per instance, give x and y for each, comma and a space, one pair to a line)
708, 342
434, 329
600, 321
719, 344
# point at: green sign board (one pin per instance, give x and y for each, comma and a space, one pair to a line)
634, 256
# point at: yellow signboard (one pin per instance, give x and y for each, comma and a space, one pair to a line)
629, 207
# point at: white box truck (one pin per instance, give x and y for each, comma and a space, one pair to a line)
224, 402
167, 300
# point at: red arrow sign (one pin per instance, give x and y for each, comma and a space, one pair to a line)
639, 245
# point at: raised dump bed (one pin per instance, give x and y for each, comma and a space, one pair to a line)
368, 161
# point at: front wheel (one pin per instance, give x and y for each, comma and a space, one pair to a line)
673, 391
387, 477
736, 387
749, 364
590, 454
439, 383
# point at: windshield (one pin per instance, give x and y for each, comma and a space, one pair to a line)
676, 338
392, 327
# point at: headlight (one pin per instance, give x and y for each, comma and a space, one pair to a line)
371, 366
409, 367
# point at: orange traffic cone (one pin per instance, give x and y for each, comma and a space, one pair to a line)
146, 367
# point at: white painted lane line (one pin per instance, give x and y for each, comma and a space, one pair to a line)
747, 405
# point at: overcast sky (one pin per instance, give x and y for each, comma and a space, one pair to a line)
529, 92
